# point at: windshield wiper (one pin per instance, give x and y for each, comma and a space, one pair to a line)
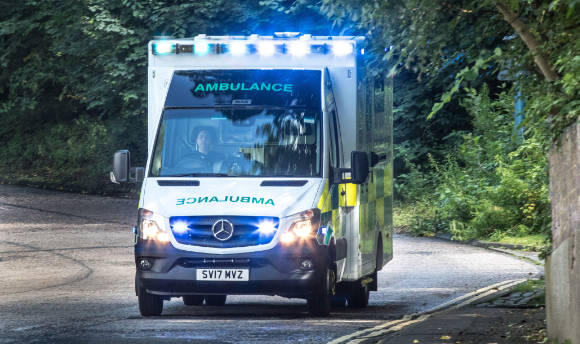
199, 175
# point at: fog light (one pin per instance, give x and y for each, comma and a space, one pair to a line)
306, 264
145, 264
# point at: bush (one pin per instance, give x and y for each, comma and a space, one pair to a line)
494, 184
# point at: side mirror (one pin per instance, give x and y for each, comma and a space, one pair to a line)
360, 167
122, 170
358, 173
121, 163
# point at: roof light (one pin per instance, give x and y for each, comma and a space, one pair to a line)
342, 48
298, 49
163, 48
238, 48
266, 49
201, 48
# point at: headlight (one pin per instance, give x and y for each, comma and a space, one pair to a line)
305, 224
149, 228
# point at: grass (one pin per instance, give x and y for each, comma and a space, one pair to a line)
534, 241
417, 217
530, 285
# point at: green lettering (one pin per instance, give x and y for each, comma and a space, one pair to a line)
254, 87
224, 200
244, 87
277, 87
245, 200
232, 198
288, 88
199, 88
213, 199
202, 199
190, 200
180, 201
266, 86
256, 200
224, 86
211, 87
236, 88
270, 202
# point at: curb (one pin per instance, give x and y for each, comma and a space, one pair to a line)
510, 249
375, 334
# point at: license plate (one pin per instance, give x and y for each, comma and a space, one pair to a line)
223, 275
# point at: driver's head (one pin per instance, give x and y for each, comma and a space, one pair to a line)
204, 140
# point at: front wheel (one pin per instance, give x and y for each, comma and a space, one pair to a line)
149, 304
320, 301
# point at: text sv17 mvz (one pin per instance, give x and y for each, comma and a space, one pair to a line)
269, 172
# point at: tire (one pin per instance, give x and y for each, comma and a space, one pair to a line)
338, 301
319, 303
149, 304
359, 296
192, 300
215, 300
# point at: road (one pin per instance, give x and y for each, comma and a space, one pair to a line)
67, 276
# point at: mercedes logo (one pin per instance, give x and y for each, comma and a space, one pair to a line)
222, 230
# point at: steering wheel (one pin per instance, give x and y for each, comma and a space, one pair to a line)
194, 162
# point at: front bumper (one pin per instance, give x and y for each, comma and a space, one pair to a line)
272, 272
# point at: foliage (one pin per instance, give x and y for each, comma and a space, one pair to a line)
73, 78
496, 182
430, 35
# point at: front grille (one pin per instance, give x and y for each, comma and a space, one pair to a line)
197, 230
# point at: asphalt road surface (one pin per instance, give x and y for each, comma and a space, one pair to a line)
67, 275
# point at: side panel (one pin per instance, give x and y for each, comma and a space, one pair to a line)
374, 136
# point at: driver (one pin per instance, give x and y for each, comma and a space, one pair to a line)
204, 144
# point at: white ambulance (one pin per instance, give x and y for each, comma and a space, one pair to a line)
269, 172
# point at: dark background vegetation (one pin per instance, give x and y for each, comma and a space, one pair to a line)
73, 90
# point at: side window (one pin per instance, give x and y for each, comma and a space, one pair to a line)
335, 152
381, 127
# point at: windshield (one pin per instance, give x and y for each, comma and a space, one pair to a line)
267, 142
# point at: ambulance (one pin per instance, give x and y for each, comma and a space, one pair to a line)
269, 172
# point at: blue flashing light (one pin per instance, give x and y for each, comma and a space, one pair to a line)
342, 48
266, 49
238, 48
266, 227
201, 48
180, 227
298, 48
163, 48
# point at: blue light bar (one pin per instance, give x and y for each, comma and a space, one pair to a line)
201, 48
298, 48
163, 48
238, 48
342, 48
